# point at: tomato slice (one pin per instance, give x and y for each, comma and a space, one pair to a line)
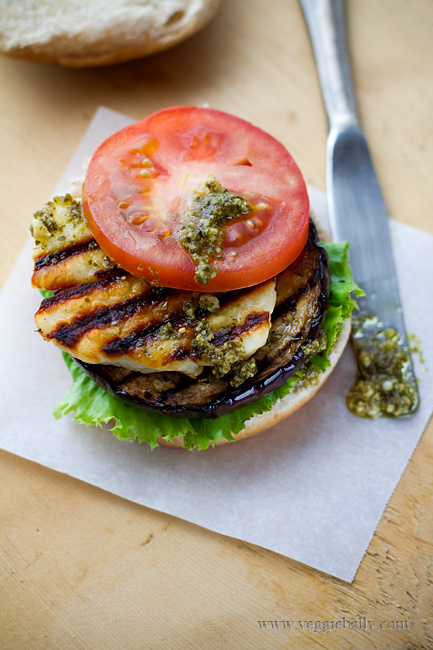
142, 179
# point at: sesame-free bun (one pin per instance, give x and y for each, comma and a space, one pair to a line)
289, 404
83, 33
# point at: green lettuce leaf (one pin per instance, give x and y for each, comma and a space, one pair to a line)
46, 293
93, 405
341, 289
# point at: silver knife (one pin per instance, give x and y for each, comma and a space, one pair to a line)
357, 211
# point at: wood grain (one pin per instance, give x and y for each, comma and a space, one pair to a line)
82, 568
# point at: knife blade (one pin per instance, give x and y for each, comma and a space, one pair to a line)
357, 211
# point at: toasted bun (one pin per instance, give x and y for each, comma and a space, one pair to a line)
289, 404
80, 33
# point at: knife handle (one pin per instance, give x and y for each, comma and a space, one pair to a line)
326, 26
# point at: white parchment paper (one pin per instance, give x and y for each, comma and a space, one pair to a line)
312, 488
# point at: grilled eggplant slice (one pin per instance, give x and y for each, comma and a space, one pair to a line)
301, 305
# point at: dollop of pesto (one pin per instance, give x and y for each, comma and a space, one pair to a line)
384, 384
228, 358
200, 232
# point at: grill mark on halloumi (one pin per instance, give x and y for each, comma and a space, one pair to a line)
135, 339
69, 334
79, 263
253, 320
79, 291
64, 253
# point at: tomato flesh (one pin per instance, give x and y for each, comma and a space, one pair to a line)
142, 179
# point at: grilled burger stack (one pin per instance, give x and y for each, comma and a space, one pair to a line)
175, 293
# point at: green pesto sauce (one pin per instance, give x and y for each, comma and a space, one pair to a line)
209, 302
415, 346
309, 375
167, 332
200, 232
201, 301
384, 385
227, 358
316, 346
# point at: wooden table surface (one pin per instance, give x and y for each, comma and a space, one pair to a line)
81, 568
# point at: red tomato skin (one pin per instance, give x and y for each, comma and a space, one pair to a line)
185, 143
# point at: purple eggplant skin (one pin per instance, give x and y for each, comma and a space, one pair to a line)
251, 390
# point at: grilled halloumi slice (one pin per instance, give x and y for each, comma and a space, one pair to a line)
65, 252
124, 321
